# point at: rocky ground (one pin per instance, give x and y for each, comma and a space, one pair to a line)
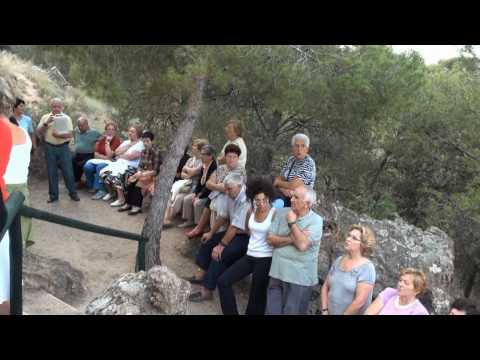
102, 259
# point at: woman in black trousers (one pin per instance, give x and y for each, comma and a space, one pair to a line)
258, 258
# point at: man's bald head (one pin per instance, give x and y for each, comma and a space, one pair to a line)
82, 123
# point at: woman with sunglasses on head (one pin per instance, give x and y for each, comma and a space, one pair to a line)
350, 281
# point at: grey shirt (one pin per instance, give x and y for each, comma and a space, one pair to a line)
344, 283
237, 209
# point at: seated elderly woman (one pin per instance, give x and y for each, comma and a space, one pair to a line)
190, 175
233, 133
127, 160
194, 203
143, 181
217, 199
298, 170
350, 281
404, 299
104, 154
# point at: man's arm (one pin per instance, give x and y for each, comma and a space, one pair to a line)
278, 241
227, 238
67, 135
219, 222
43, 125
300, 238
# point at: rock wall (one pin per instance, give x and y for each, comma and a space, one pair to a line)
399, 245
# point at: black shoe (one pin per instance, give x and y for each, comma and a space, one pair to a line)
198, 297
194, 280
74, 197
51, 200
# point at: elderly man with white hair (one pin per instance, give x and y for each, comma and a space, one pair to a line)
220, 250
298, 170
56, 129
295, 234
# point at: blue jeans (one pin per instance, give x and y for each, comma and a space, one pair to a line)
59, 155
92, 173
234, 251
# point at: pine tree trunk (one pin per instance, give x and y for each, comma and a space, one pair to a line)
152, 229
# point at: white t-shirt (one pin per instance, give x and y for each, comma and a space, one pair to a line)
242, 160
137, 147
257, 245
17, 168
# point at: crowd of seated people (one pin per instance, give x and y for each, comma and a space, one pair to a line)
246, 226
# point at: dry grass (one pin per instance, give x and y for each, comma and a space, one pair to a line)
34, 85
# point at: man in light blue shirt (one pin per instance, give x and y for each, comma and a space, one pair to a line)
219, 250
295, 234
24, 121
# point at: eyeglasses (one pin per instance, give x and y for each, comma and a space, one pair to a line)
260, 201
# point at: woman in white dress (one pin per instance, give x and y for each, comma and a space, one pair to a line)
127, 159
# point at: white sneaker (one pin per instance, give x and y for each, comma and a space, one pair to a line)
107, 197
117, 203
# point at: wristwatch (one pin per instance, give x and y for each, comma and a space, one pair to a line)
291, 223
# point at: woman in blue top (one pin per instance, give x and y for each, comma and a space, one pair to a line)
350, 281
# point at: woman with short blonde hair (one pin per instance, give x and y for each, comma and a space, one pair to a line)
349, 286
233, 132
404, 299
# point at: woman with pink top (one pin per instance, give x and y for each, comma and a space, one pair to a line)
404, 299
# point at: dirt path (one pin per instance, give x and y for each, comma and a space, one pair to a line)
102, 258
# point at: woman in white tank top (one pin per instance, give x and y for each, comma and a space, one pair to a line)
258, 259
16, 178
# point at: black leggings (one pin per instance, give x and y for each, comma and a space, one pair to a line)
134, 195
257, 301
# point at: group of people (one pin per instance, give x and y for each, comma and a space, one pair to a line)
263, 227
121, 172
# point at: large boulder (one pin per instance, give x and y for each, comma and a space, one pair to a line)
168, 293
399, 245
157, 292
54, 276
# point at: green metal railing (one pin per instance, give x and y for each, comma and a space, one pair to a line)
13, 224
15, 209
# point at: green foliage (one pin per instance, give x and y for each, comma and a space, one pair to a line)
389, 134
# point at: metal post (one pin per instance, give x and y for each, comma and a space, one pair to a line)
16, 260
140, 263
